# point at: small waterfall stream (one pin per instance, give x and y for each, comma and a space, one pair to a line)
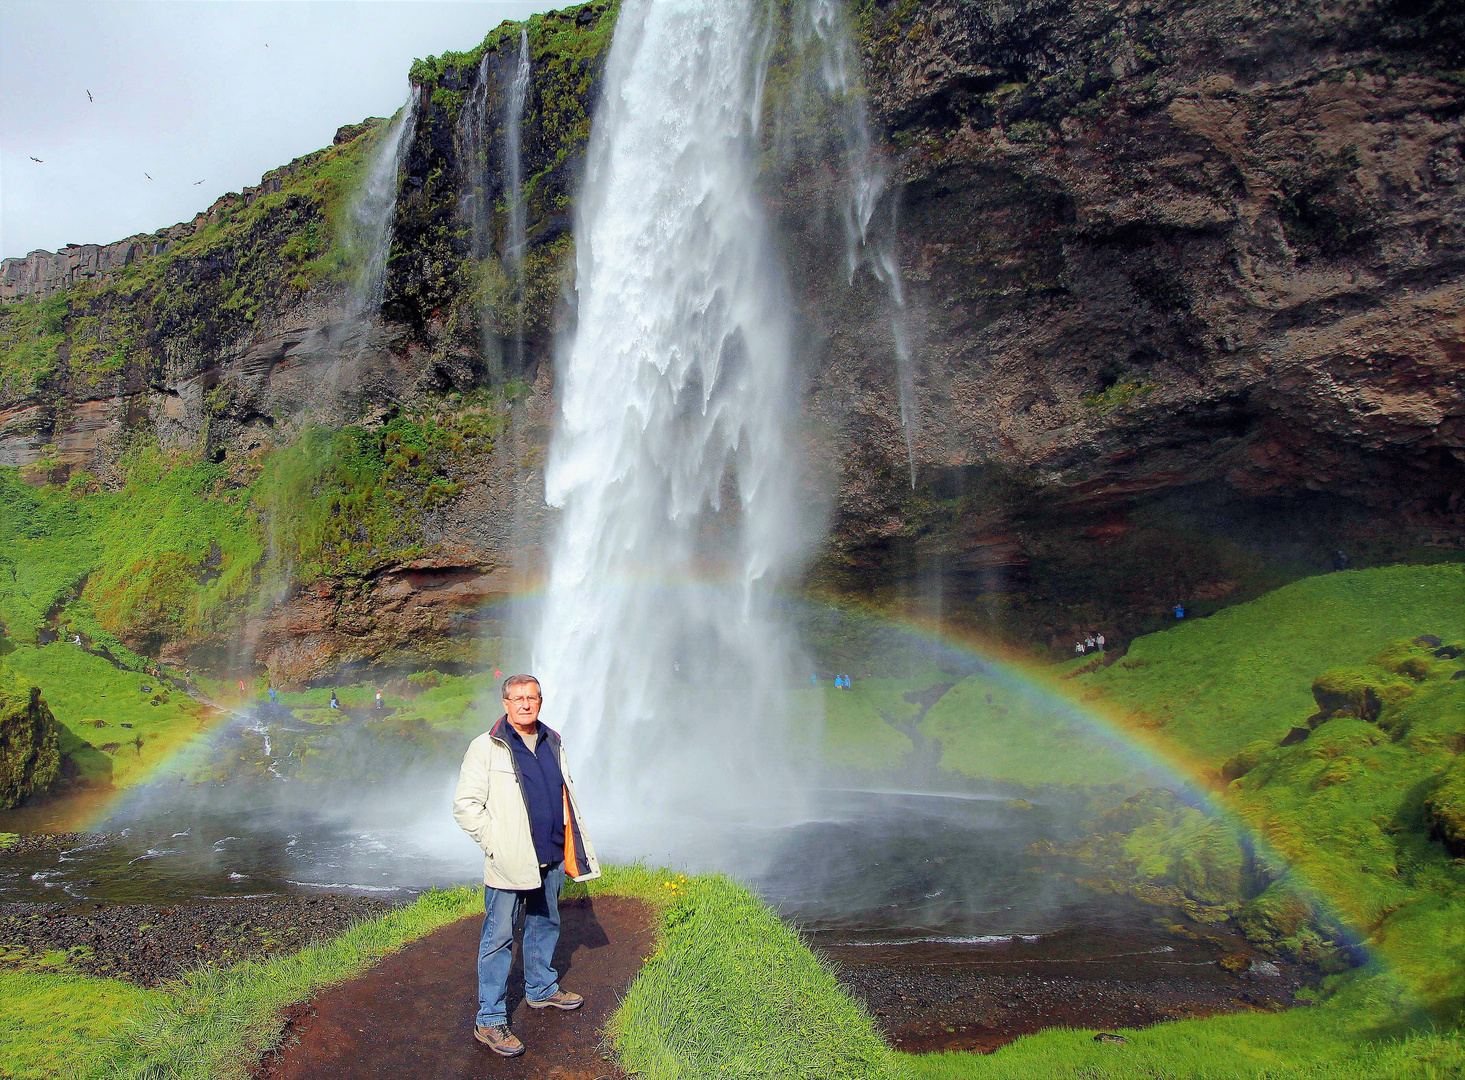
822, 40
370, 219
514, 164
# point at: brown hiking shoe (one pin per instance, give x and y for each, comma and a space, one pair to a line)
560, 999
499, 1039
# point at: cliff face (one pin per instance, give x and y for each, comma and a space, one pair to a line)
1184, 282
1175, 262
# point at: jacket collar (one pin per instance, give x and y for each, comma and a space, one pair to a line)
501, 731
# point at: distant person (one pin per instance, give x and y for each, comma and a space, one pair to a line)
1099, 641
814, 679
1089, 643
334, 703
241, 686
1078, 647
273, 700
76, 640
1340, 561
516, 799
378, 699
1180, 611
497, 675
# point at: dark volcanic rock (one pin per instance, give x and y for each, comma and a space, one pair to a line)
149, 944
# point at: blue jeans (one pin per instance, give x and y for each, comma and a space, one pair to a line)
541, 934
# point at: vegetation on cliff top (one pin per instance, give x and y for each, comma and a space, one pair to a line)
247, 256
459, 286
187, 547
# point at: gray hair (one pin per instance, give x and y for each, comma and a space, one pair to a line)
521, 680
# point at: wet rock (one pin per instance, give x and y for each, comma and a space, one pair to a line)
1263, 969
1109, 1037
1428, 640
30, 758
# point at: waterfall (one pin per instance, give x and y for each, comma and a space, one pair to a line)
513, 159
672, 461
821, 35
369, 222
473, 151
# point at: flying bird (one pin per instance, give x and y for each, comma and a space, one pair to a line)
36, 159
197, 182
149, 177
89, 95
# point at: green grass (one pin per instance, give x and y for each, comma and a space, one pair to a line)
1003, 729
62, 1025
215, 1023
1345, 807
732, 991
854, 735
81, 689
187, 548
1246, 672
1359, 1035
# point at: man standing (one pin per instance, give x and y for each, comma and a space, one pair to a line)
516, 799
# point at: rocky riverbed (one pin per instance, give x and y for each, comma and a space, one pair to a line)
149, 944
982, 995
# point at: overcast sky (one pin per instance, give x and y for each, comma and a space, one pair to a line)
186, 91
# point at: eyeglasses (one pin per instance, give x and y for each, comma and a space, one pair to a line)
520, 700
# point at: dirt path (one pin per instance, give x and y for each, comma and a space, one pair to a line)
412, 1015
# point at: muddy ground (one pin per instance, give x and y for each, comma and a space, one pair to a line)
412, 1015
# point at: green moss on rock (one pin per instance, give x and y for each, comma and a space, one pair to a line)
30, 760
1444, 809
1362, 692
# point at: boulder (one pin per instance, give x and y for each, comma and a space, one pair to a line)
1444, 810
1362, 692
30, 761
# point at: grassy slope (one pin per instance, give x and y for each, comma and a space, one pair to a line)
855, 735
1343, 807
81, 689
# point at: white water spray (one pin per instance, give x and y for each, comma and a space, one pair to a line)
821, 36
513, 161
372, 211
673, 461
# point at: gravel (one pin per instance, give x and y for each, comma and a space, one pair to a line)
149, 944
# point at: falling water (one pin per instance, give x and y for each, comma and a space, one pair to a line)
513, 160
821, 35
672, 461
370, 221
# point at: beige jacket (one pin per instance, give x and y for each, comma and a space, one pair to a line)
489, 806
